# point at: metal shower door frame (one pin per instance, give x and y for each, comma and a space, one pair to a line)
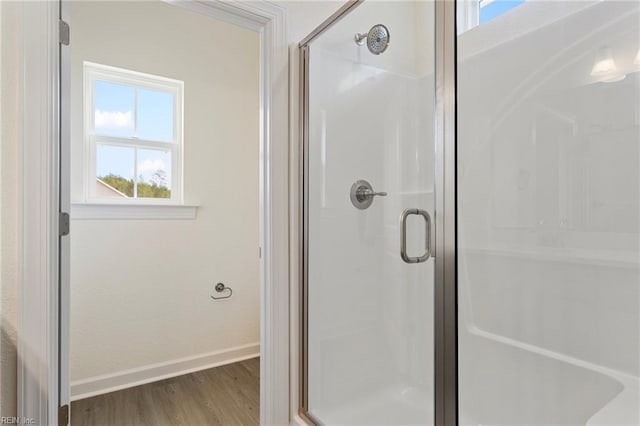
446, 259
445, 215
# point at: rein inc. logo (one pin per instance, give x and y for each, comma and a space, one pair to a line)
10, 420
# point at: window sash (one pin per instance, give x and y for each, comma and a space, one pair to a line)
125, 143
163, 89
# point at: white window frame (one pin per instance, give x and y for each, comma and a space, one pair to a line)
468, 15
94, 72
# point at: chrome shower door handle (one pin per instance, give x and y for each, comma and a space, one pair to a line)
403, 236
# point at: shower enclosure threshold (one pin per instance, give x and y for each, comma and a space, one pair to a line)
396, 404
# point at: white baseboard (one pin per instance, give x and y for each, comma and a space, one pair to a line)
98, 385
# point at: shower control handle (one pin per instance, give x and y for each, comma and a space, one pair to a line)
362, 194
403, 236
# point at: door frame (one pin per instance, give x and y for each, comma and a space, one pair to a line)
445, 216
43, 308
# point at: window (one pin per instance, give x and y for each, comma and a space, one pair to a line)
133, 130
489, 9
471, 13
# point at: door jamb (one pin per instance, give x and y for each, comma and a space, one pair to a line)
40, 146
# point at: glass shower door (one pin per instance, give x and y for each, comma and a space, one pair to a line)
369, 183
549, 214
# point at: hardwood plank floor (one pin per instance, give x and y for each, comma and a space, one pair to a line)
227, 395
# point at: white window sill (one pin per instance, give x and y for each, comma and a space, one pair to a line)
89, 211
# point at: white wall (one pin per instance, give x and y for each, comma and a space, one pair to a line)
303, 16
140, 289
9, 107
410, 25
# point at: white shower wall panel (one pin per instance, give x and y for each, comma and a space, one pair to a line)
549, 184
549, 216
368, 326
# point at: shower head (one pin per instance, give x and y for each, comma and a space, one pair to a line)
377, 39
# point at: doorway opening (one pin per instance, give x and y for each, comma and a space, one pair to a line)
165, 191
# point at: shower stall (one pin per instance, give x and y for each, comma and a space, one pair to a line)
471, 214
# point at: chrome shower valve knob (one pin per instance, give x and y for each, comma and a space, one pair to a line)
362, 194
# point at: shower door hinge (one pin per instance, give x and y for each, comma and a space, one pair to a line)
63, 415
63, 32
64, 224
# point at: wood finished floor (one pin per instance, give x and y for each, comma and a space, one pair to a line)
228, 395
